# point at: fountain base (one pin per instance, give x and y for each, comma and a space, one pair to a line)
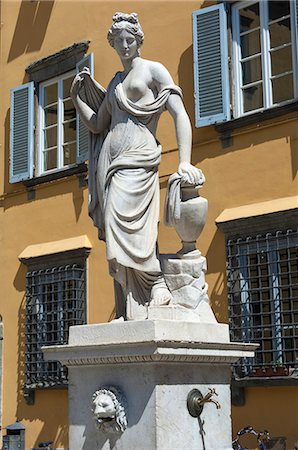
155, 364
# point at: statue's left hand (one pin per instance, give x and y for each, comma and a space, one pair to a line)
191, 174
77, 82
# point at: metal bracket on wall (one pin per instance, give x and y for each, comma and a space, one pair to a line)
29, 395
226, 140
30, 193
83, 179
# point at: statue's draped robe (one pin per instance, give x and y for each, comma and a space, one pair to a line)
124, 192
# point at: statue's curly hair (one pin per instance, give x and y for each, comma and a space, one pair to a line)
129, 22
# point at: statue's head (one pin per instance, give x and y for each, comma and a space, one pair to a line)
125, 23
108, 407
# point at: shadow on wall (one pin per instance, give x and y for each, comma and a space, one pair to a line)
31, 27
45, 408
253, 138
186, 82
294, 156
216, 262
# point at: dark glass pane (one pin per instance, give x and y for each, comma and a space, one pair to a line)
280, 33
253, 97
278, 9
251, 70
250, 43
69, 131
282, 88
50, 159
51, 94
50, 115
50, 137
70, 153
249, 17
69, 110
66, 87
281, 60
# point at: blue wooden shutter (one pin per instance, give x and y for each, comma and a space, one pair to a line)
21, 132
296, 24
211, 69
83, 138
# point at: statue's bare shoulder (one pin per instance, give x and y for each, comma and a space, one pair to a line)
159, 74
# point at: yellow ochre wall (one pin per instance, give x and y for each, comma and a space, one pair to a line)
260, 165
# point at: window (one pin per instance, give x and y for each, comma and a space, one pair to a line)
263, 301
245, 57
55, 300
57, 124
46, 134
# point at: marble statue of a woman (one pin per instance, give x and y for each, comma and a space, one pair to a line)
123, 165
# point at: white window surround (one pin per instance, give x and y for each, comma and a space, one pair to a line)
27, 120
268, 101
60, 121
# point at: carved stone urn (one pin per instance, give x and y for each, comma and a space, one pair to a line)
193, 213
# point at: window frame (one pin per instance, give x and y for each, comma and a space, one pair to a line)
46, 263
265, 58
41, 122
25, 144
232, 118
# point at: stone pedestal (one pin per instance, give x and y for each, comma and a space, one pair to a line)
155, 363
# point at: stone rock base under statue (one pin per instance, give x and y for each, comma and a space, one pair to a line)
155, 363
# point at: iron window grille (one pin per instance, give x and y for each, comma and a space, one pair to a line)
263, 301
55, 300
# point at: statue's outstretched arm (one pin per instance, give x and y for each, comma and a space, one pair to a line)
183, 129
96, 122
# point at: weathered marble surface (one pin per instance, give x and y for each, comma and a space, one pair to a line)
109, 407
185, 277
123, 164
155, 364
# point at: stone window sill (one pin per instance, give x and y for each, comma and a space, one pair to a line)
238, 386
266, 381
29, 390
228, 127
79, 169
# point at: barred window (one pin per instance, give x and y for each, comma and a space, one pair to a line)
263, 301
55, 300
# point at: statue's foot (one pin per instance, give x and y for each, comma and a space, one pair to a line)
119, 319
160, 294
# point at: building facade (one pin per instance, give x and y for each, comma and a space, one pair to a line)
242, 99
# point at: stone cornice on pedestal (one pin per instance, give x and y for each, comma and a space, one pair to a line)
93, 355
149, 342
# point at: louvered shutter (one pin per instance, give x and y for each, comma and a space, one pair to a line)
83, 138
21, 132
211, 70
296, 24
